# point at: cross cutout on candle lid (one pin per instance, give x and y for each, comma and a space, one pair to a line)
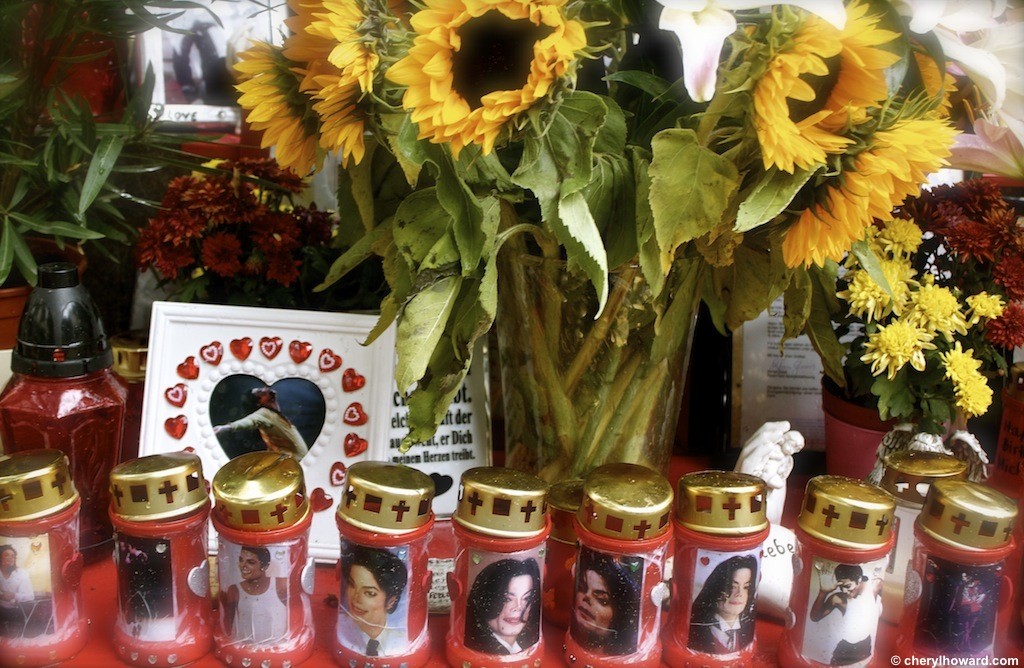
882, 522
58, 482
641, 529
529, 509
279, 512
5, 496
475, 502
959, 522
168, 490
400, 508
830, 514
118, 495
732, 506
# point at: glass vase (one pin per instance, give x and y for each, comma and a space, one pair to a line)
583, 388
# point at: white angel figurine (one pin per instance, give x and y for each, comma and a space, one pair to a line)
768, 454
961, 444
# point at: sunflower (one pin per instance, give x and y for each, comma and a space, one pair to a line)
270, 91
896, 163
475, 64
784, 90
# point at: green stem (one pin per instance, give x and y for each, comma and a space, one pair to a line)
604, 414
548, 381
598, 333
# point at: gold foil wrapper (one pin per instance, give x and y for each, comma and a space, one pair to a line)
909, 473
131, 352
34, 484
158, 487
626, 501
260, 491
564, 499
723, 503
968, 515
386, 498
847, 512
502, 502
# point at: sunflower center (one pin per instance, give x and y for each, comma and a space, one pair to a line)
496, 54
822, 85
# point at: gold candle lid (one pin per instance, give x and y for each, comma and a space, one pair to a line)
909, 473
502, 502
387, 498
967, 515
131, 351
723, 503
34, 484
260, 491
847, 512
158, 487
626, 501
564, 499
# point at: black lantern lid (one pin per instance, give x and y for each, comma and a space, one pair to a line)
60, 334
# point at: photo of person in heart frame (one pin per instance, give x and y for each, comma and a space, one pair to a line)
249, 416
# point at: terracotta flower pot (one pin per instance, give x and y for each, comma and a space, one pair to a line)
852, 435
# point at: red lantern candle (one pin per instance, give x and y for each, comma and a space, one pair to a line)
385, 521
264, 574
844, 535
959, 594
559, 586
720, 526
624, 532
159, 507
41, 616
500, 526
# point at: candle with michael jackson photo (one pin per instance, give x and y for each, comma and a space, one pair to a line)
844, 536
160, 509
500, 526
624, 531
41, 617
384, 520
958, 591
264, 574
720, 527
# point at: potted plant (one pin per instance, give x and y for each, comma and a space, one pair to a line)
69, 124
925, 310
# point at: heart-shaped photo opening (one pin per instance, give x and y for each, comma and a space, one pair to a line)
249, 416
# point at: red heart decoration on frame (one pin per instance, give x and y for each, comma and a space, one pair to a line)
188, 369
355, 446
338, 474
328, 360
212, 353
241, 348
704, 561
320, 500
270, 346
176, 395
355, 415
351, 380
176, 426
299, 351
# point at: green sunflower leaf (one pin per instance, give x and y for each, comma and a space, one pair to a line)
691, 187
870, 263
420, 327
575, 229
769, 198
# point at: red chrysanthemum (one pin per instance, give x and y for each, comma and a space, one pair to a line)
1007, 331
282, 267
222, 253
1009, 273
972, 241
276, 234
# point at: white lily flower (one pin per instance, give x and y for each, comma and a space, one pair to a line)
703, 25
991, 150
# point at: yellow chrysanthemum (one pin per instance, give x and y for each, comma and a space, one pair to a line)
936, 309
477, 63
973, 395
893, 167
869, 301
276, 107
790, 144
984, 307
899, 237
894, 345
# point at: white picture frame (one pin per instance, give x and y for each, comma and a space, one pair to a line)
208, 362
192, 68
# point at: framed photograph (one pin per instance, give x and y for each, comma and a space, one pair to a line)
193, 63
227, 380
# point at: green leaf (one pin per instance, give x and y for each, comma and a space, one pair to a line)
354, 256
769, 198
464, 208
24, 260
674, 326
7, 249
420, 327
650, 257
410, 159
755, 279
690, 188
100, 166
819, 327
797, 305
574, 227
56, 228
422, 232
869, 262
894, 397
361, 183
649, 83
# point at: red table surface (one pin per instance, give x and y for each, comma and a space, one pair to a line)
99, 586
